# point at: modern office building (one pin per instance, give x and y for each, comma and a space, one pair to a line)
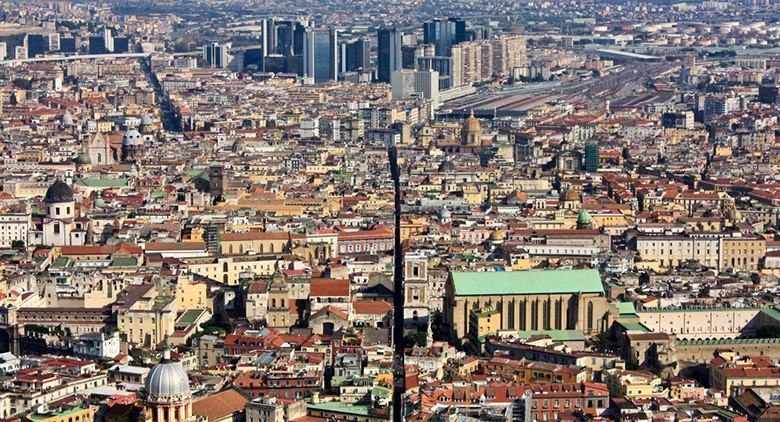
354, 56
410, 54
678, 120
68, 45
592, 157
267, 36
448, 74
444, 33
320, 54
97, 45
37, 44
285, 37
121, 45
216, 55
388, 53
719, 106
108, 40
409, 83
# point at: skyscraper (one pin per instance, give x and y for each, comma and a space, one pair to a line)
267, 36
443, 65
121, 45
97, 45
354, 55
408, 83
68, 45
388, 53
444, 33
37, 44
286, 37
282, 45
108, 40
216, 55
320, 54
410, 54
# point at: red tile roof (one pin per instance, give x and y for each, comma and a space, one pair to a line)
332, 310
371, 307
329, 287
220, 405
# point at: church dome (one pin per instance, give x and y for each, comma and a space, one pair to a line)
146, 120
59, 192
570, 195
133, 137
167, 382
583, 217
83, 159
99, 203
497, 235
472, 124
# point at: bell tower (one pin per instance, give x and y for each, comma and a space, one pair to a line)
416, 311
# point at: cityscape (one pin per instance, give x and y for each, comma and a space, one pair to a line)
445, 211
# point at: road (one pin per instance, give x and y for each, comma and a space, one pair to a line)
169, 121
16, 62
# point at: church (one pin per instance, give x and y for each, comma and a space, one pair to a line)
62, 226
528, 300
98, 151
470, 139
168, 397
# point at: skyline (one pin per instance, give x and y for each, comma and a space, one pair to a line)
311, 211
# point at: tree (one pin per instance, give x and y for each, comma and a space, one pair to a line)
616, 388
417, 338
17, 244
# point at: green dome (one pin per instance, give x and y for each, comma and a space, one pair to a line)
99, 203
584, 217
83, 158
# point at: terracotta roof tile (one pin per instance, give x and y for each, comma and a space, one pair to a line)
371, 307
220, 405
329, 287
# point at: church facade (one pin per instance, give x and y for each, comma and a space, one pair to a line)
62, 225
528, 300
